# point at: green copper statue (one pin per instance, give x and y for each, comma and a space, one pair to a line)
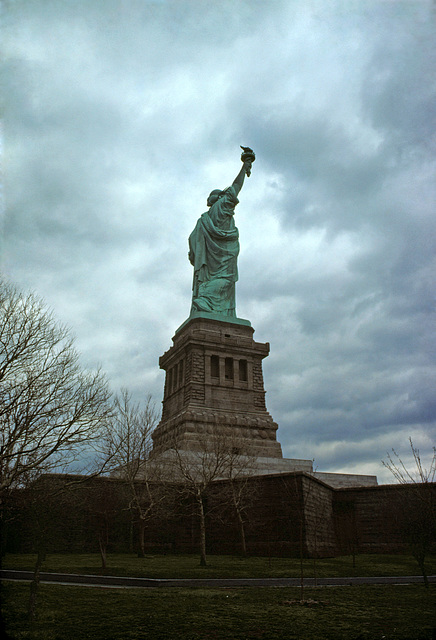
214, 248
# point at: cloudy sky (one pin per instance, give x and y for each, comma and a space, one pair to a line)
120, 116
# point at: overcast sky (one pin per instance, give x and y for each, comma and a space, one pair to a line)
122, 115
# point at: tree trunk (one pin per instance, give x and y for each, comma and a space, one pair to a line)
203, 562
242, 535
240, 521
141, 538
34, 585
2, 534
102, 546
301, 558
419, 552
131, 536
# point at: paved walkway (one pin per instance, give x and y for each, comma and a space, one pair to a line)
119, 581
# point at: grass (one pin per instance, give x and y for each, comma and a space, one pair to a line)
344, 613
367, 612
187, 566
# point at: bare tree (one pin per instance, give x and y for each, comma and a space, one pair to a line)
50, 409
300, 489
240, 491
100, 497
127, 443
417, 506
196, 470
347, 529
419, 475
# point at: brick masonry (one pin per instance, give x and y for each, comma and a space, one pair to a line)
284, 515
289, 513
214, 388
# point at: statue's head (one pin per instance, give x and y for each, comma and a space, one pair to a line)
214, 196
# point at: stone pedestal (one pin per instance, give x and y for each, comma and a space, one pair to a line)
214, 389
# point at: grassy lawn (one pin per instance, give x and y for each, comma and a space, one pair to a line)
187, 566
340, 613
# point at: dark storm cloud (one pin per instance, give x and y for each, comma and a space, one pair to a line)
119, 119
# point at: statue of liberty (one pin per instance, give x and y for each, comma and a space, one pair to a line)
214, 248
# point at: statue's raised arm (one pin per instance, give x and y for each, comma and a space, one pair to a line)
214, 248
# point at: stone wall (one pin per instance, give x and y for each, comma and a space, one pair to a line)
284, 514
373, 519
320, 539
384, 519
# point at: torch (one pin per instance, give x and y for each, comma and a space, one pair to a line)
247, 156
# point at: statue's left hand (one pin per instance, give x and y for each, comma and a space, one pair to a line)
247, 158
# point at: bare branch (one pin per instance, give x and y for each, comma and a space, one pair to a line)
127, 442
49, 408
403, 475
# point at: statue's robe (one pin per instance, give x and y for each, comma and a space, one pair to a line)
213, 251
